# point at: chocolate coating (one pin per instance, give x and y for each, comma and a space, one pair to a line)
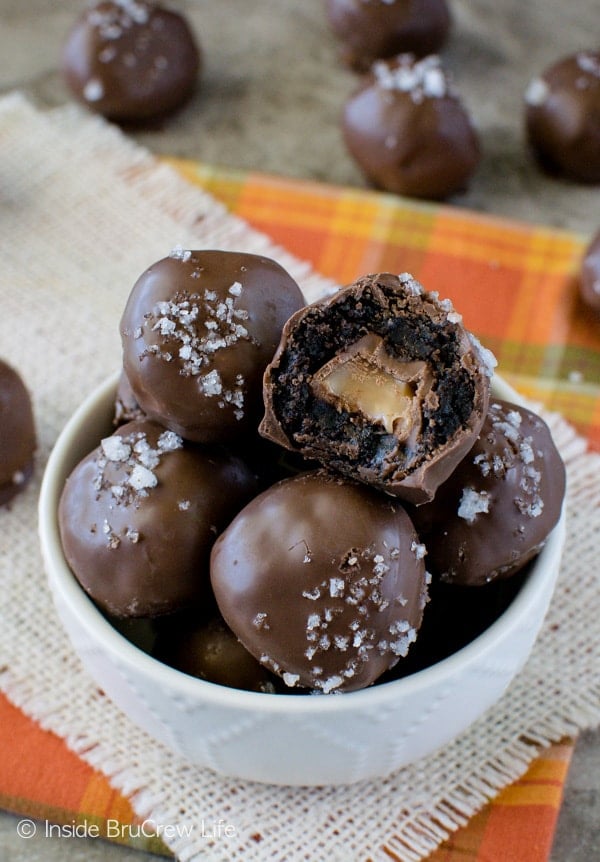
409, 132
198, 330
138, 517
126, 407
322, 580
562, 117
212, 652
381, 336
17, 434
589, 282
373, 29
496, 510
131, 60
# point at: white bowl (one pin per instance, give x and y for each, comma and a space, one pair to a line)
285, 738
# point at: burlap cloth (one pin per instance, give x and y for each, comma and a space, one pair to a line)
83, 212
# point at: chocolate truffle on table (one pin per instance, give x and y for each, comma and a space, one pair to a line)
562, 117
589, 282
131, 60
17, 434
382, 383
322, 580
408, 130
198, 331
138, 517
496, 510
212, 652
372, 29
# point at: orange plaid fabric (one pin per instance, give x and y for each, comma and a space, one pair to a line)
516, 287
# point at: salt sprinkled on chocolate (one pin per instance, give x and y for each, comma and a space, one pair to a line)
337, 624
139, 485
197, 332
408, 130
537, 92
130, 60
424, 79
138, 459
495, 511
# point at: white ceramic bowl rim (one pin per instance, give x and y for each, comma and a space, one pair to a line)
292, 704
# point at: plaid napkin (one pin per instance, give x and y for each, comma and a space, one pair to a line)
41, 778
548, 347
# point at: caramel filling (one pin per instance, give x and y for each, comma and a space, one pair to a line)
365, 379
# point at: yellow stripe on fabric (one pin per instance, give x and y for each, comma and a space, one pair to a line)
536, 794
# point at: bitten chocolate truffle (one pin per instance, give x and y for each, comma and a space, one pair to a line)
589, 282
138, 517
409, 132
562, 117
323, 581
380, 382
198, 331
17, 434
131, 60
212, 652
372, 29
496, 510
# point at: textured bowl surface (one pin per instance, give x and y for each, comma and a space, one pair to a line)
281, 738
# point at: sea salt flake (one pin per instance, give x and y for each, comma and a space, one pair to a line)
116, 448
330, 684
141, 478
336, 587
418, 550
290, 679
537, 92
93, 90
211, 383
180, 253
313, 622
473, 503
169, 441
260, 621
341, 642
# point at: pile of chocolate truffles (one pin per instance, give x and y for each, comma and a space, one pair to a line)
291, 491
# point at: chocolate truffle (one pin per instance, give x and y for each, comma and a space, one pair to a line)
380, 382
17, 434
212, 652
589, 282
374, 29
409, 132
138, 517
562, 117
198, 330
322, 580
496, 510
131, 60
